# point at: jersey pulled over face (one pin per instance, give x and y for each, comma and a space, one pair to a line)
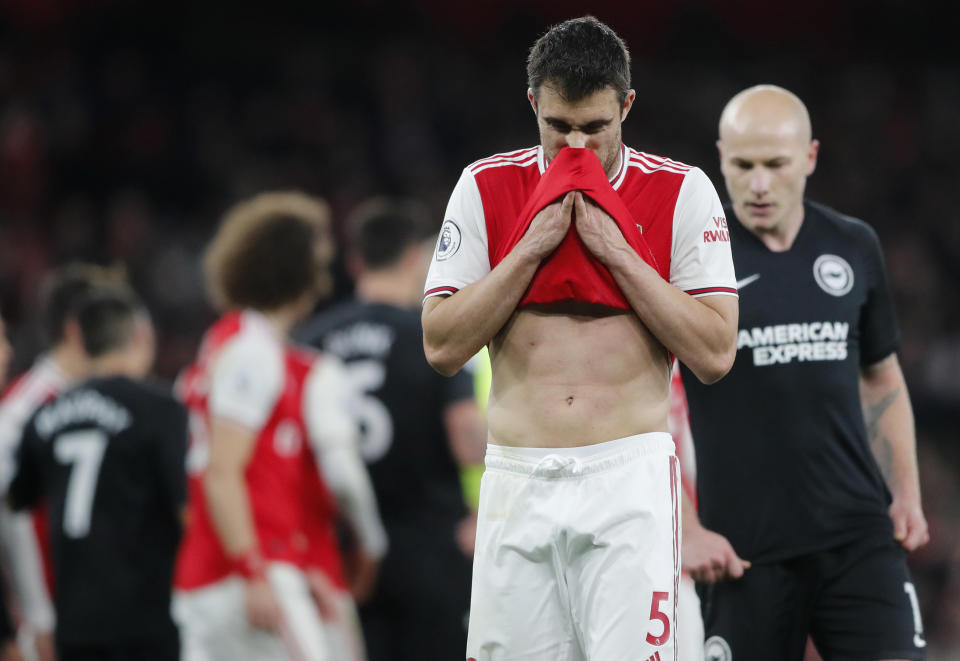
592, 122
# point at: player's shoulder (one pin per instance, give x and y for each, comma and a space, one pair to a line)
648, 163
505, 163
850, 227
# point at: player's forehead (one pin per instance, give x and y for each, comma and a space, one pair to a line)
760, 146
602, 104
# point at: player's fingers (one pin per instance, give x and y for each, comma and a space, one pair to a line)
917, 536
569, 201
899, 527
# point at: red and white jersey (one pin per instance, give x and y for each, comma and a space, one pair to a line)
25, 535
678, 420
673, 205
246, 372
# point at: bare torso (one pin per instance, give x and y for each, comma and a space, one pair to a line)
574, 374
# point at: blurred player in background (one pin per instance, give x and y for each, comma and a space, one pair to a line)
107, 458
23, 535
259, 567
8, 633
417, 428
583, 264
689, 619
785, 473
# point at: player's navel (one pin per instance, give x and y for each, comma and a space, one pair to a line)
570, 401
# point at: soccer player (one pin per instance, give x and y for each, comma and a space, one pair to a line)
583, 264
417, 428
107, 458
785, 474
23, 535
259, 565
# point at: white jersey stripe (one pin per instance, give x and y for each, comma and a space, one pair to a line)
521, 155
662, 168
523, 164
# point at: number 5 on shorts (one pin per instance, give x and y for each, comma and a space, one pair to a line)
657, 614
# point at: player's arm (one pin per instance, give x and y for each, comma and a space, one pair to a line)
244, 387
707, 556
20, 542
456, 326
701, 331
333, 437
889, 421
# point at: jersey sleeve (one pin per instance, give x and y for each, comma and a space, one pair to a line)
701, 263
461, 256
246, 379
879, 333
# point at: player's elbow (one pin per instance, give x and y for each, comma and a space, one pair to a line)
442, 359
716, 366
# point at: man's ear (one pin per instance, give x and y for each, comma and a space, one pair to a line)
627, 104
533, 99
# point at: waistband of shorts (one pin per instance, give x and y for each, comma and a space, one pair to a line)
579, 460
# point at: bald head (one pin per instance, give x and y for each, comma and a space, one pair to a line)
766, 110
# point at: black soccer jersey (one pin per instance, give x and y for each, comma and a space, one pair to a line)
108, 459
403, 439
783, 462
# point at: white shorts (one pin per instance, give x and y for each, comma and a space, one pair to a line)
214, 626
578, 553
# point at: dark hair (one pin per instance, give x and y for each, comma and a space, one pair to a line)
269, 251
381, 229
106, 319
65, 287
578, 58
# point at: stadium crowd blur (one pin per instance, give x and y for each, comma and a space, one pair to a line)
125, 128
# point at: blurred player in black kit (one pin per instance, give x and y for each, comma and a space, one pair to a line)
417, 428
785, 474
108, 456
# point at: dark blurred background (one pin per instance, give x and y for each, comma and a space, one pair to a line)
127, 127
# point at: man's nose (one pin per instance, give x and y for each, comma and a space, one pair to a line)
760, 182
576, 139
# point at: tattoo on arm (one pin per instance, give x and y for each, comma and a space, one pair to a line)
879, 443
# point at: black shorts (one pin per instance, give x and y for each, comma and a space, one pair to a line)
419, 608
857, 602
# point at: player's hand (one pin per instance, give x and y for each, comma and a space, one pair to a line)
10, 652
708, 557
324, 594
363, 575
597, 229
548, 228
44, 646
263, 610
909, 524
466, 534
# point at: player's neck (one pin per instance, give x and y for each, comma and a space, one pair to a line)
70, 361
388, 286
781, 237
115, 363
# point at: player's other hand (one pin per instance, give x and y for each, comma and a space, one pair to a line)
44, 646
709, 557
466, 534
909, 524
597, 229
324, 594
10, 652
362, 575
263, 610
548, 228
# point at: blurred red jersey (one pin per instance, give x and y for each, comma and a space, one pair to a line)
247, 373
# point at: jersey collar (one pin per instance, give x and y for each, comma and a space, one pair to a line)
616, 180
